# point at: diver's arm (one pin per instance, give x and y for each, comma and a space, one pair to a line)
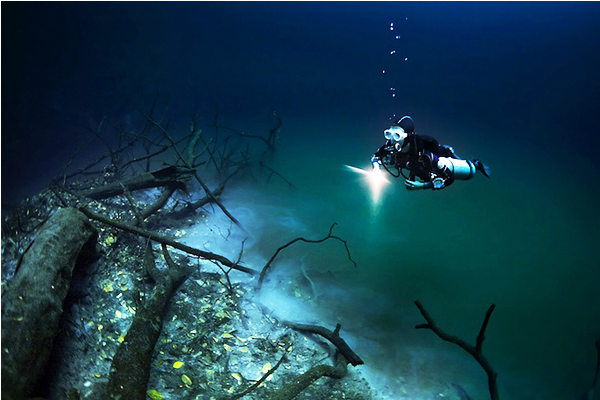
437, 183
382, 151
382, 155
414, 185
376, 161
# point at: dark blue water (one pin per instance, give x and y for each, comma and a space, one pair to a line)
514, 84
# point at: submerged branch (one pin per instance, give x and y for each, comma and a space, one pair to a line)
162, 239
267, 266
344, 356
474, 351
294, 388
273, 172
264, 377
195, 173
167, 177
333, 337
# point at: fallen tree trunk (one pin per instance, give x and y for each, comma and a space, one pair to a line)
32, 303
172, 176
130, 369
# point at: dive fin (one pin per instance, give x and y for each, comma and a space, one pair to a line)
481, 167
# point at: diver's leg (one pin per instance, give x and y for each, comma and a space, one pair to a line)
448, 151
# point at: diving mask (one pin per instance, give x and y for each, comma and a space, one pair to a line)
395, 134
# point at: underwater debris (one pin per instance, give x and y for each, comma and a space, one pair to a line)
216, 342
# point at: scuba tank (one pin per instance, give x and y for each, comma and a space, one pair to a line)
459, 169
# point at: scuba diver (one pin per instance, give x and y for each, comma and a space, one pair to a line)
429, 164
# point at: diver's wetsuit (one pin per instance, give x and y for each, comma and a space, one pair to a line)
436, 166
428, 143
412, 157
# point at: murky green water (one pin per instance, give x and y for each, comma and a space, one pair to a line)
522, 241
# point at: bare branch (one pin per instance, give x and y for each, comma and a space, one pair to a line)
273, 172
333, 337
200, 181
481, 335
295, 387
161, 239
267, 266
474, 351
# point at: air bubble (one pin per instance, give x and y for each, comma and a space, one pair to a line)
397, 37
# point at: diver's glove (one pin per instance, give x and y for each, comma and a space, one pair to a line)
414, 185
375, 162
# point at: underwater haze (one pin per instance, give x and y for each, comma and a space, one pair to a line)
514, 84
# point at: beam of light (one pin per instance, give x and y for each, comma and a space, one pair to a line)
375, 179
